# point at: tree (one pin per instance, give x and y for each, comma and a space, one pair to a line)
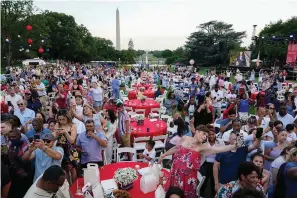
131, 45
212, 42
272, 49
166, 53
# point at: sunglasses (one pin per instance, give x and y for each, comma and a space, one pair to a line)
47, 141
20, 104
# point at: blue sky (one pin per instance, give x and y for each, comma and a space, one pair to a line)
166, 24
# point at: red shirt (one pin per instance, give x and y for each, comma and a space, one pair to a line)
62, 101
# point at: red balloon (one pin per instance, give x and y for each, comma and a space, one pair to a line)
29, 27
30, 41
40, 50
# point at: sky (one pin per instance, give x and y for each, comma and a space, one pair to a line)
166, 24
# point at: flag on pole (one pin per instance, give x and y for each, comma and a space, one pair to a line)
258, 60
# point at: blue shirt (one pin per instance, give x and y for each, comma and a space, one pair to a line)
91, 148
229, 162
224, 122
115, 84
290, 184
25, 116
43, 161
31, 133
244, 106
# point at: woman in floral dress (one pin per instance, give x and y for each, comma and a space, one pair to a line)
187, 160
66, 132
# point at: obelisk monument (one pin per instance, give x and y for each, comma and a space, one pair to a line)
118, 35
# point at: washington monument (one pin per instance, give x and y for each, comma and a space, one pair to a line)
118, 34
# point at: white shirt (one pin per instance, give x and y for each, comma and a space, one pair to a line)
80, 126
265, 122
287, 119
151, 154
35, 192
41, 86
231, 96
226, 135
291, 136
228, 74
218, 95
13, 100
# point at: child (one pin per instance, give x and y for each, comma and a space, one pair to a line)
149, 153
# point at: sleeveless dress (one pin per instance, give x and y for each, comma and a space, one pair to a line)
275, 153
186, 164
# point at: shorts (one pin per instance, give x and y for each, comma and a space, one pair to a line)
126, 140
97, 104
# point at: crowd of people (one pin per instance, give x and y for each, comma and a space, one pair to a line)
53, 123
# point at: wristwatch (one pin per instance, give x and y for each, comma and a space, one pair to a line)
45, 149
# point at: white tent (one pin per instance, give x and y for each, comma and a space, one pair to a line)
255, 60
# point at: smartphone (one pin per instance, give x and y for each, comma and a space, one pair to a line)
36, 137
9, 103
259, 132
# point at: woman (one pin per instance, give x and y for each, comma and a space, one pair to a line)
97, 95
258, 159
171, 104
280, 186
51, 124
190, 108
66, 132
207, 189
290, 103
90, 114
272, 154
251, 124
112, 125
243, 105
187, 159
176, 137
75, 88
202, 115
270, 112
19, 170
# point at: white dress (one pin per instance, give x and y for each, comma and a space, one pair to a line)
112, 127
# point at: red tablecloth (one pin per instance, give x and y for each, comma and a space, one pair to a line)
107, 172
154, 130
146, 86
148, 104
148, 93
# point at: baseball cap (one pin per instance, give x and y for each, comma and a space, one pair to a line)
48, 136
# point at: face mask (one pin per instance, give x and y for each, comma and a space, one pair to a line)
16, 142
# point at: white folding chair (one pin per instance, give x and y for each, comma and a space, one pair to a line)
168, 157
139, 145
171, 130
160, 100
140, 112
159, 143
114, 149
155, 113
167, 119
201, 180
125, 150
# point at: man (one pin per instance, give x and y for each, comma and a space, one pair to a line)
23, 113
124, 124
61, 97
226, 164
236, 126
115, 85
91, 143
52, 184
248, 178
226, 124
12, 99
217, 96
284, 117
44, 153
40, 88
37, 129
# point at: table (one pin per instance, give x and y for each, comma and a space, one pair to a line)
148, 93
141, 130
107, 172
148, 104
146, 86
